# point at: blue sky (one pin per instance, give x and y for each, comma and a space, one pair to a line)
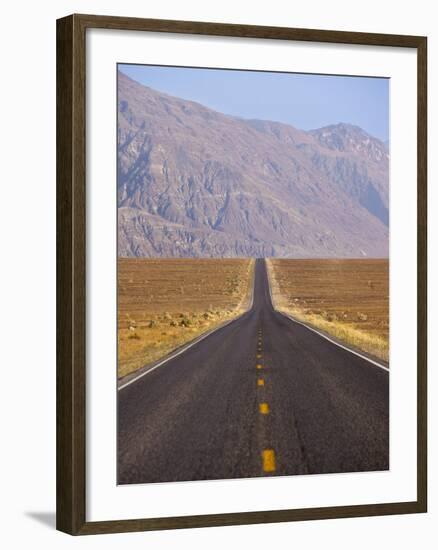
305, 101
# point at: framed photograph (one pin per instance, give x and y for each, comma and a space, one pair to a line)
241, 274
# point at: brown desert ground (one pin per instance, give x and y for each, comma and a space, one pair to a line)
165, 303
348, 299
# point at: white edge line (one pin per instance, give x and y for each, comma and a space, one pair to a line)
179, 352
191, 344
334, 341
377, 364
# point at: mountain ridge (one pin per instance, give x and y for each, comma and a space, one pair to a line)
196, 182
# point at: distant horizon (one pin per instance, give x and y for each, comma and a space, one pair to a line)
319, 100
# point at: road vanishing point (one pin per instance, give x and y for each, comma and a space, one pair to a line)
261, 396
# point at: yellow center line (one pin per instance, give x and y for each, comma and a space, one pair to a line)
260, 382
268, 458
264, 408
259, 366
259, 355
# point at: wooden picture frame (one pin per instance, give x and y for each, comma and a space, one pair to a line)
71, 273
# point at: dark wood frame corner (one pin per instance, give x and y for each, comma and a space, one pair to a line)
71, 265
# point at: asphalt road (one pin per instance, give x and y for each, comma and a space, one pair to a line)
261, 396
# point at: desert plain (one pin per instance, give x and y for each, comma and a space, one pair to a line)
346, 298
165, 303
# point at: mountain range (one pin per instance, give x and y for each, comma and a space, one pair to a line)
193, 182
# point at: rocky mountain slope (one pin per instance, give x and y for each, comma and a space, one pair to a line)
195, 182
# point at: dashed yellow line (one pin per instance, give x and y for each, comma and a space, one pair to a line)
268, 455
268, 458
